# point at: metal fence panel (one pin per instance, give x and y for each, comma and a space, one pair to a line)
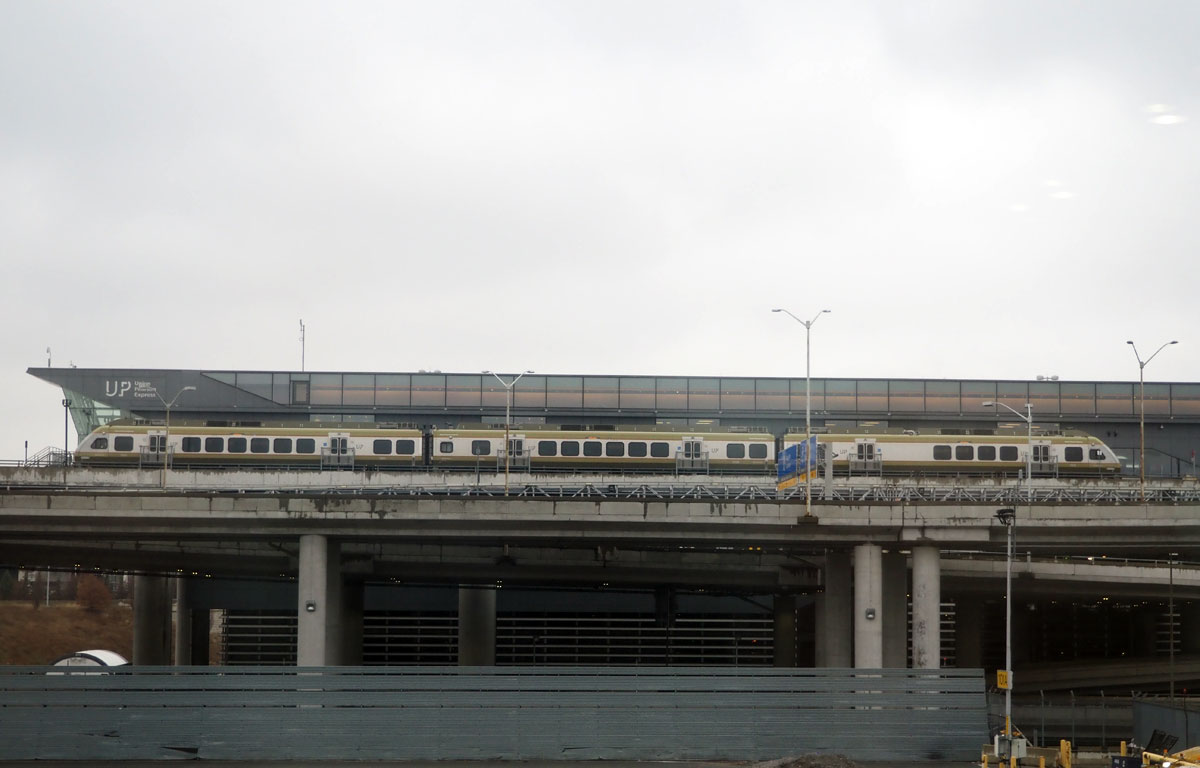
494, 713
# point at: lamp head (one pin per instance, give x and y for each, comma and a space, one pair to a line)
188, 388
1006, 516
1174, 342
826, 311
1129, 342
773, 310
988, 404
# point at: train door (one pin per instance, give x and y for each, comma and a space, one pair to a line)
866, 458
337, 452
692, 455
1044, 461
515, 451
155, 451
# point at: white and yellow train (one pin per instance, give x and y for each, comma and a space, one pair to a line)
585, 450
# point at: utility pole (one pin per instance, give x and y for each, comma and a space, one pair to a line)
301, 344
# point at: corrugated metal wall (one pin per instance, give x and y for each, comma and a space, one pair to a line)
369, 713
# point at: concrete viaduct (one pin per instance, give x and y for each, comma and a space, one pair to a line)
854, 553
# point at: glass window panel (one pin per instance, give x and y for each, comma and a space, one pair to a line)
1185, 399
758, 450
1014, 394
547, 448
987, 453
392, 389
614, 448
591, 448
672, 394
358, 389
570, 448
771, 394
406, 447
306, 445
840, 395
325, 389
123, 443
1073, 453
214, 444
872, 396
282, 445
530, 392
735, 451
190, 445
1044, 397
600, 392
660, 450
975, 394
941, 452
941, 396
381, 447
564, 392
704, 394
1115, 399
637, 449
255, 383
964, 452
1158, 401
1008, 453
446, 446
481, 447
799, 397
464, 391
281, 388
429, 389
737, 394
906, 396
637, 392
494, 394
237, 445
1077, 397
260, 445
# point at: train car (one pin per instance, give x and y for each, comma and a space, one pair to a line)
190, 445
605, 450
909, 452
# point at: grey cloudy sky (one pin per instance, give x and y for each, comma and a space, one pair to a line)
976, 189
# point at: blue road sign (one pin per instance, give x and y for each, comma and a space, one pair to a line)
786, 464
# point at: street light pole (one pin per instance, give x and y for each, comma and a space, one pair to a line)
508, 386
1008, 518
808, 324
1142, 411
167, 432
1028, 419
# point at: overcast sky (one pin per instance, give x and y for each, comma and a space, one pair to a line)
975, 189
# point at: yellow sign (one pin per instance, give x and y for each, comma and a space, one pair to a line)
783, 485
1002, 679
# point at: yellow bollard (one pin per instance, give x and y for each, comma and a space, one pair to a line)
1041, 762
1122, 749
1012, 762
1064, 753
984, 762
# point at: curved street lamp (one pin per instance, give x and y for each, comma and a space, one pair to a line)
167, 431
1142, 411
808, 324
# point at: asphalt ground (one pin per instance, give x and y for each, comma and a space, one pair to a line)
456, 764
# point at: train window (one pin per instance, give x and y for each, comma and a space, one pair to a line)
592, 448
941, 453
547, 448
237, 445
191, 444
406, 447
1008, 453
964, 452
123, 443
100, 444
758, 450
381, 447
1073, 453
446, 446
660, 450
614, 448
481, 447
735, 451
260, 445
987, 453
282, 445
306, 445
637, 450
570, 448
214, 444
1095, 454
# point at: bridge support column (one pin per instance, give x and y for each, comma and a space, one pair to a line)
868, 604
784, 630
834, 639
352, 624
968, 631
151, 621
476, 627
927, 608
895, 609
319, 610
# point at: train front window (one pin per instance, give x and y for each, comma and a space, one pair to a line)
123, 443
99, 444
1095, 454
